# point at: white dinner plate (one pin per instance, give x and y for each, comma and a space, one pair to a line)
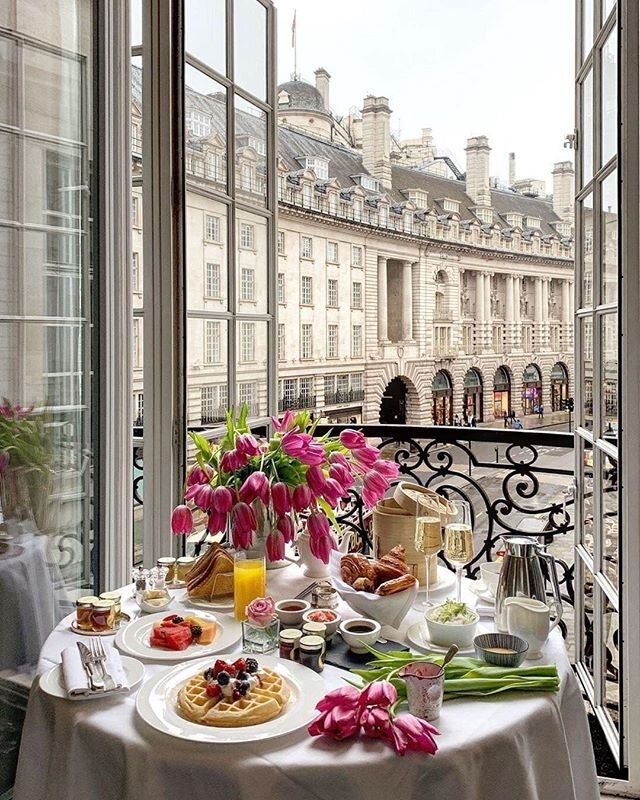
223, 604
133, 639
157, 704
418, 637
52, 682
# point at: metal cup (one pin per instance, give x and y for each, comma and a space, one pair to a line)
425, 689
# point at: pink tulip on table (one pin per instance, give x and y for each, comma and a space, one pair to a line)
182, 520
302, 497
339, 714
287, 528
379, 693
352, 439
274, 545
281, 498
222, 499
412, 733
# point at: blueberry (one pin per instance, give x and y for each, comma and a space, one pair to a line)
242, 676
252, 665
244, 687
208, 674
223, 678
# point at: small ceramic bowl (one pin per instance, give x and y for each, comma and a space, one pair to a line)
154, 604
501, 649
325, 615
445, 634
290, 612
360, 632
490, 573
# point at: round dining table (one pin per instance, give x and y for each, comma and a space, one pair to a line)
529, 746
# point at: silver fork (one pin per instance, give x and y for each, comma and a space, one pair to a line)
100, 657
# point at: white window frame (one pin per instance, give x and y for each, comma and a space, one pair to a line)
212, 228
333, 341
212, 341
246, 236
306, 290
357, 255
306, 247
212, 280
306, 341
333, 292
247, 284
356, 341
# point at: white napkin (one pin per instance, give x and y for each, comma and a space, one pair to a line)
389, 609
76, 679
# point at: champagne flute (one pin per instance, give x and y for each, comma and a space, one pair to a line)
427, 539
458, 542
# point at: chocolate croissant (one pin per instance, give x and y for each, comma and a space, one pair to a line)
354, 566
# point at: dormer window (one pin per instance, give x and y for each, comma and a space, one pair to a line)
451, 205
367, 182
514, 220
258, 145
484, 214
419, 198
532, 222
199, 123
563, 228
319, 165
283, 98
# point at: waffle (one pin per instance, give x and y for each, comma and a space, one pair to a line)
264, 702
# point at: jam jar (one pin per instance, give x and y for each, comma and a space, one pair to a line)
311, 652
325, 596
289, 643
183, 567
116, 597
168, 563
315, 629
102, 616
84, 611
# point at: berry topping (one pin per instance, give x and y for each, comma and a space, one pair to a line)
240, 664
223, 677
208, 674
242, 676
236, 695
177, 620
196, 631
252, 665
244, 687
213, 690
219, 666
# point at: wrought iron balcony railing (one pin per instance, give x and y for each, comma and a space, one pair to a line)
295, 403
337, 398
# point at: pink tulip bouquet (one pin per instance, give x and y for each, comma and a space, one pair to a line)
347, 712
274, 487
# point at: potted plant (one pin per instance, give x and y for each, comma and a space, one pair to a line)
268, 491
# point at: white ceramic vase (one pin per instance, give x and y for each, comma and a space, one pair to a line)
312, 567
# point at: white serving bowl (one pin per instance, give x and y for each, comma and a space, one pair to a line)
356, 640
445, 634
290, 612
155, 607
332, 626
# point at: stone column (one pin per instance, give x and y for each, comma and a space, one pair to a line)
517, 323
508, 311
538, 316
567, 315
407, 302
546, 316
481, 316
383, 333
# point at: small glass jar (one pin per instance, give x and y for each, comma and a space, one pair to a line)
311, 651
84, 610
139, 577
325, 596
315, 629
289, 643
102, 616
169, 563
260, 639
183, 567
117, 601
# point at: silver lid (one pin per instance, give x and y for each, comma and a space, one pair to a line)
521, 546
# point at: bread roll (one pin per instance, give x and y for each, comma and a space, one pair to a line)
396, 585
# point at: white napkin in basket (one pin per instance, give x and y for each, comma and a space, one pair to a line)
389, 610
76, 680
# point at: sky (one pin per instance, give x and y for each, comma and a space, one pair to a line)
502, 68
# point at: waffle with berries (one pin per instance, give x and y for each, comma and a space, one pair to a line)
233, 695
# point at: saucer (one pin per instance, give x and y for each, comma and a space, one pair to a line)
483, 592
418, 637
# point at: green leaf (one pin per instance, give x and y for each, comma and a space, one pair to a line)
203, 445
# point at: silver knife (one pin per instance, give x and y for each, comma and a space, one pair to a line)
95, 682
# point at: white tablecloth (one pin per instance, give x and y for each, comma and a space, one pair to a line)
529, 747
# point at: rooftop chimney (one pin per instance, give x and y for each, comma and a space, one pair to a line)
512, 168
376, 138
477, 151
322, 85
563, 190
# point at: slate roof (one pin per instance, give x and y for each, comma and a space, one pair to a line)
301, 95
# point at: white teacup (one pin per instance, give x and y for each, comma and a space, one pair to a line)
490, 572
531, 620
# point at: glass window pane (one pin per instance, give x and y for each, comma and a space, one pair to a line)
586, 337
53, 94
251, 153
611, 661
609, 238
587, 27
136, 22
250, 46
206, 244
609, 372
207, 360
609, 97
8, 99
53, 188
205, 22
251, 366
8, 152
586, 534
587, 128
136, 117
609, 505
587, 251
607, 5
206, 131
251, 263
587, 642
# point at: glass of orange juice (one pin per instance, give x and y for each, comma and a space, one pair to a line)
249, 581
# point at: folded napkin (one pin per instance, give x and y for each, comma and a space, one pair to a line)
485, 610
76, 680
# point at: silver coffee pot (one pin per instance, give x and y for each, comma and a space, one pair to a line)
521, 576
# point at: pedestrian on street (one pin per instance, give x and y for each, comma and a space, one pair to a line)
474, 421
512, 417
517, 425
540, 412
506, 418
456, 420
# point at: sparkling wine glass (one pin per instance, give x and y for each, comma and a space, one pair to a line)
427, 539
458, 542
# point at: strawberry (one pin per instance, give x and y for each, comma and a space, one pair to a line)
213, 690
240, 664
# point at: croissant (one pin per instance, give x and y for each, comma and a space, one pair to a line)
363, 585
396, 585
354, 566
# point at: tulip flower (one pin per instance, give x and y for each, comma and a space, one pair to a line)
367, 456
247, 444
339, 711
339, 458
281, 498
217, 522
321, 547
181, 520
411, 733
352, 439
374, 485
274, 545
200, 475
294, 443
316, 480
376, 723
222, 499
243, 526
302, 497
232, 460
255, 486
318, 524
342, 475
313, 454
203, 497
332, 492
379, 693
387, 468
5, 458
287, 528
285, 423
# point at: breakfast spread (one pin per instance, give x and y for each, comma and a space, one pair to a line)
384, 576
177, 633
233, 695
212, 575
96, 614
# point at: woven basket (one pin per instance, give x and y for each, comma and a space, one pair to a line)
392, 525
405, 496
